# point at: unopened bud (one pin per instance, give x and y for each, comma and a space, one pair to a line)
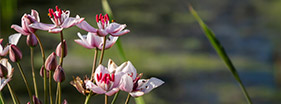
64, 101
36, 100
3, 71
59, 51
59, 75
31, 40
15, 53
42, 72
51, 62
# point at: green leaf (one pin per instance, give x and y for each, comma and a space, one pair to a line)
220, 50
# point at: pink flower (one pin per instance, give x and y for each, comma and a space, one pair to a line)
13, 39
132, 83
60, 19
92, 40
3, 50
26, 20
105, 27
106, 79
5, 80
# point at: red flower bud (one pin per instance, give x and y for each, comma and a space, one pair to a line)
58, 50
59, 75
42, 72
31, 40
64, 101
36, 100
51, 62
3, 71
15, 53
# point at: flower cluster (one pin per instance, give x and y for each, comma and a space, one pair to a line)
104, 80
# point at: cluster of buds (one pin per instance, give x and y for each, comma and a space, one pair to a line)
6, 72
52, 65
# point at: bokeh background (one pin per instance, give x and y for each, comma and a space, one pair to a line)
166, 42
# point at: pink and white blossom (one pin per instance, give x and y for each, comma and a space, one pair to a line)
26, 20
60, 19
106, 79
92, 40
131, 82
105, 27
5, 80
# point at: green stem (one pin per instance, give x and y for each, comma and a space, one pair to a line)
59, 87
50, 87
25, 81
88, 98
62, 49
128, 99
102, 51
115, 97
32, 69
105, 99
45, 73
57, 95
12, 93
94, 63
2, 100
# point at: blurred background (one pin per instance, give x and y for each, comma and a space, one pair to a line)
166, 42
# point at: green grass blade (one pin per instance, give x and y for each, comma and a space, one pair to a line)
107, 10
221, 52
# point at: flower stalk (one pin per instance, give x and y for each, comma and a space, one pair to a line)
32, 69
50, 87
44, 72
13, 95
128, 99
94, 63
2, 100
25, 81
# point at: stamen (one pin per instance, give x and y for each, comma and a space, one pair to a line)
99, 76
104, 78
50, 13
97, 18
60, 13
57, 8
106, 17
113, 21
112, 77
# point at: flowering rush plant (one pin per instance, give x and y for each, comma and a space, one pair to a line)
104, 80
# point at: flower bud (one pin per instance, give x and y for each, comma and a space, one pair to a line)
42, 72
36, 100
64, 101
51, 62
58, 50
3, 71
31, 40
59, 75
15, 53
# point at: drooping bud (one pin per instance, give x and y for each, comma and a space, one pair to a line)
14, 53
3, 71
59, 75
36, 100
31, 40
42, 72
51, 62
58, 50
64, 101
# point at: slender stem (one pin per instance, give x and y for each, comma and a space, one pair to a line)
128, 99
88, 98
94, 62
12, 93
25, 81
62, 48
50, 87
102, 51
59, 87
2, 100
115, 97
45, 73
32, 69
105, 99
57, 95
